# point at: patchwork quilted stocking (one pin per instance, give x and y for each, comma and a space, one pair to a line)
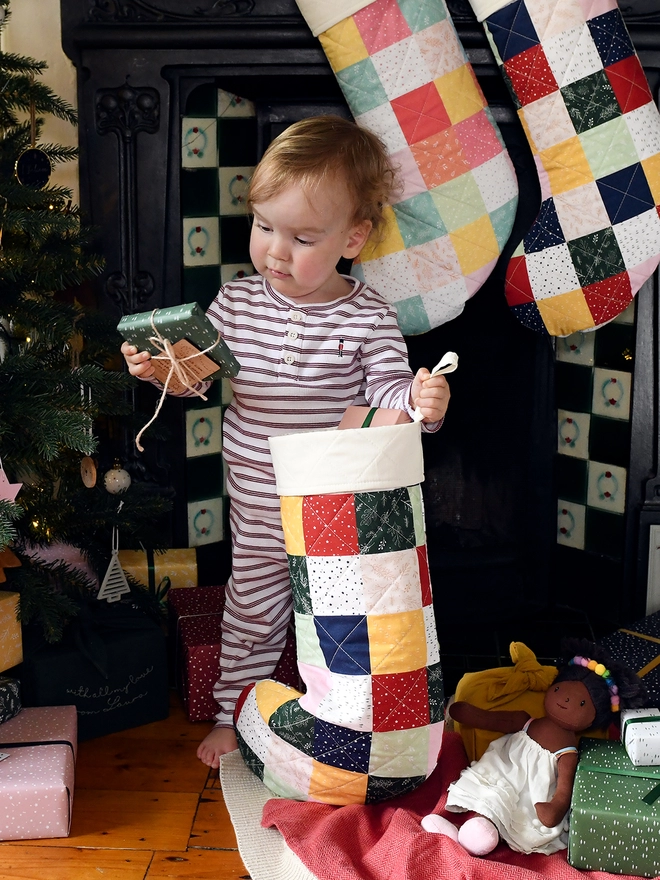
594, 130
369, 726
406, 77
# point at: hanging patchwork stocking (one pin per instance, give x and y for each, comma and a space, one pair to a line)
370, 725
406, 77
594, 131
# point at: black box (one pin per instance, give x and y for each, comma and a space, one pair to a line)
638, 646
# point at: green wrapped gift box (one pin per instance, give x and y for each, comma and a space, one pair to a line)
615, 812
187, 322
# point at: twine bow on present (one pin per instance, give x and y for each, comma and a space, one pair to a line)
178, 368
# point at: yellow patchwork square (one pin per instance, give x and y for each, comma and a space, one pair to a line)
460, 94
270, 695
475, 245
332, 785
566, 165
343, 45
388, 242
565, 314
651, 168
397, 642
291, 511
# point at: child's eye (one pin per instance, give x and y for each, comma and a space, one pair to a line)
304, 242
263, 227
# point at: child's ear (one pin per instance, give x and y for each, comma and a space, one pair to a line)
357, 238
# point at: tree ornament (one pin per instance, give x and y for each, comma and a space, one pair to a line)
8, 559
33, 167
8, 491
117, 480
88, 472
114, 584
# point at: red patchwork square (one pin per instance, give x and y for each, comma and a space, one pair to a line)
329, 525
629, 83
381, 24
608, 298
440, 158
424, 576
400, 702
530, 75
421, 113
518, 286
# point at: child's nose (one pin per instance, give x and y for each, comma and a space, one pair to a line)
278, 248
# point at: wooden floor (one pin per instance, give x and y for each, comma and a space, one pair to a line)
145, 808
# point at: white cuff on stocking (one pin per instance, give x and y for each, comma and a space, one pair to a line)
321, 15
483, 8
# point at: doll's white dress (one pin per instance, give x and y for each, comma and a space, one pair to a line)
513, 774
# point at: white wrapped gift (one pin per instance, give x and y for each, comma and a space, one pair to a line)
640, 734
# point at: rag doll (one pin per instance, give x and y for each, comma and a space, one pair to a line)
521, 787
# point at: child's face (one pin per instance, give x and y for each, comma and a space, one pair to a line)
297, 240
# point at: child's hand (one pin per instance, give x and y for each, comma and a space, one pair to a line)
431, 394
139, 362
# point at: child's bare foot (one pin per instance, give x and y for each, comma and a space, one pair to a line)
218, 742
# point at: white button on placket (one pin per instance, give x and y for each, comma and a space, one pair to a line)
289, 359
296, 316
292, 334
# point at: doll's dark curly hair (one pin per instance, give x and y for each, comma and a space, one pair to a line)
631, 691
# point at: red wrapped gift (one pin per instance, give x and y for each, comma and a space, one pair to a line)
196, 616
37, 771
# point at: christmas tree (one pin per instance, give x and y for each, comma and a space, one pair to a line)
58, 388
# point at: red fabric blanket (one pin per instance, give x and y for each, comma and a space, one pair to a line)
386, 842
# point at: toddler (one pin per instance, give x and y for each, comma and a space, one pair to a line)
310, 343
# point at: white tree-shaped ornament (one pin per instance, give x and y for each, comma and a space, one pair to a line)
114, 583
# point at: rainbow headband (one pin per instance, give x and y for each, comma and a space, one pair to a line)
600, 669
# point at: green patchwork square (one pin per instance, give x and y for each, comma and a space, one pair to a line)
417, 503
362, 87
411, 748
596, 256
459, 202
502, 221
302, 600
590, 101
308, 646
385, 521
436, 693
421, 15
418, 220
412, 316
294, 725
383, 788
251, 760
609, 147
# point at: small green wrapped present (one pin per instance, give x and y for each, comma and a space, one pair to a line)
614, 823
189, 332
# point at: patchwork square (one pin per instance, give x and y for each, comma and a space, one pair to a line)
421, 15
461, 93
397, 642
400, 701
362, 86
418, 220
529, 315
458, 202
432, 646
382, 788
348, 701
609, 297
596, 257
547, 122
299, 578
333, 785
343, 45
644, 126
581, 211
294, 725
291, 513
344, 642
546, 231
447, 299
609, 147
401, 68
639, 238
551, 271
441, 50
308, 644
433, 259
512, 30
626, 193
252, 760
329, 525
400, 753
561, 313
421, 113
384, 521
383, 122
530, 75
497, 188
341, 747
390, 241
440, 158
335, 585
475, 245
436, 693
611, 37
566, 166
417, 504
518, 285
381, 24
591, 101
572, 55
391, 582
479, 139
409, 174
629, 84
424, 575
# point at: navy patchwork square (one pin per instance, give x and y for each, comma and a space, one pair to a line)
341, 747
591, 101
546, 231
344, 641
626, 193
529, 316
596, 256
512, 30
611, 37
382, 788
385, 521
302, 601
294, 725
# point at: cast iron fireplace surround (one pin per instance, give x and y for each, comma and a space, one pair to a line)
138, 62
